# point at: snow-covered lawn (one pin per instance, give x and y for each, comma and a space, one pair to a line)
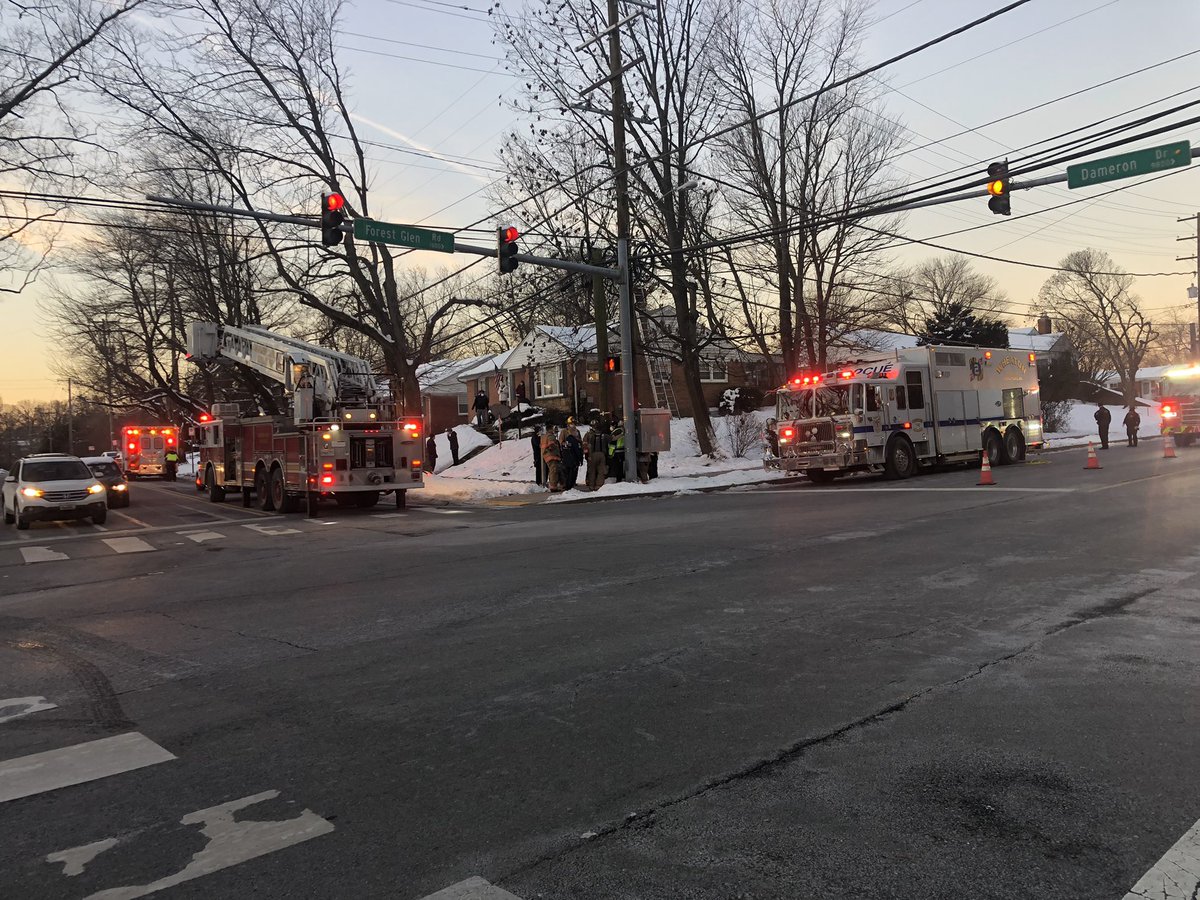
1081, 425
507, 469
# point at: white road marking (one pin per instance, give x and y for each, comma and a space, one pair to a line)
272, 529
138, 522
100, 527
129, 545
201, 536
389, 515
41, 554
54, 769
229, 843
29, 705
444, 512
474, 888
1177, 875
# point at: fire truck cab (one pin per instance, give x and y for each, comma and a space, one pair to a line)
341, 440
1180, 405
894, 412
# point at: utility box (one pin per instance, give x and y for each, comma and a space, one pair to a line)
654, 430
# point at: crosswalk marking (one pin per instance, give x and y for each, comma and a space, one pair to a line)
272, 529
79, 763
444, 512
229, 843
128, 545
1177, 875
201, 536
41, 554
24, 706
474, 888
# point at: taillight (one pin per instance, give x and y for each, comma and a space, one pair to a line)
412, 429
416, 464
788, 433
132, 445
908, 424
326, 479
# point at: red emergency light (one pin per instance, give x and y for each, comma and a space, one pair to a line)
326, 479
848, 373
205, 417
132, 445
413, 429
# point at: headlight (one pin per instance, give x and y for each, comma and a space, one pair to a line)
96, 489
119, 487
31, 492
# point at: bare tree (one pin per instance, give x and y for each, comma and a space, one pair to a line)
256, 97
46, 49
1173, 340
1097, 296
931, 287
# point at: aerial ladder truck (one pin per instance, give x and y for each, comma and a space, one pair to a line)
341, 438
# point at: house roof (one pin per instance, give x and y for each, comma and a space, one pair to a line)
874, 339
443, 374
553, 343
483, 365
1149, 373
1030, 339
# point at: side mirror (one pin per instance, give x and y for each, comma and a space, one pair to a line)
11, 478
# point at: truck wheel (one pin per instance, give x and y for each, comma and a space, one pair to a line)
280, 499
401, 499
216, 493
820, 476
310, 504
901, 460
994, 448
262, 487
1014, 446
366, 500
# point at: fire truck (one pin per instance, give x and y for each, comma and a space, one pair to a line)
1180, 405
145, 449
341, 438
897, 411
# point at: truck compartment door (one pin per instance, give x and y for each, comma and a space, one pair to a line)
951, 429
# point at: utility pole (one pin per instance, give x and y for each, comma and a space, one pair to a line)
600, 305
70, 420
1195, 329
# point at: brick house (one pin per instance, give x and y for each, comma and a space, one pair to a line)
444, 399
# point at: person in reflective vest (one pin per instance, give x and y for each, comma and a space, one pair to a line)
172, 466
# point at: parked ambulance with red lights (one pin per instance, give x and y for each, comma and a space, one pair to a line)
897, 411
145, 448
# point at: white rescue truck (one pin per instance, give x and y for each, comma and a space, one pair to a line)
894, 412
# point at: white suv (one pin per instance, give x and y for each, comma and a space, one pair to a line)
52, 486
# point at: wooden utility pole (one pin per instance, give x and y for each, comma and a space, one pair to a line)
1195, 328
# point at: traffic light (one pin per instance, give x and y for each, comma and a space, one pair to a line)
332, 218
998, 187
506, 248
612, 364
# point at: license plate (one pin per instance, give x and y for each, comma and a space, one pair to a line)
66, 509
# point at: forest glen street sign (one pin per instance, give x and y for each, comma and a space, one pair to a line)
403, 235
1127, 165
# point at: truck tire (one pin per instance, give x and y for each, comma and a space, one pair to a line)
993, 447
366, 500
1014, 446
401, 499
901, 460
280, 498
820, 476
262, 488
310, 504
216, 493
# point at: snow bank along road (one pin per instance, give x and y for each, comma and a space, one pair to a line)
870, 690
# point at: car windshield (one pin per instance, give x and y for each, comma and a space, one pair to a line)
58, 470
105, 470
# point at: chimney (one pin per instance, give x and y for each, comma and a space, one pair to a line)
1044, 325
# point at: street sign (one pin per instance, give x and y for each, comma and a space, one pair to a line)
1127, 165
403, 235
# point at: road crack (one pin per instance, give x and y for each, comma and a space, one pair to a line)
261, 637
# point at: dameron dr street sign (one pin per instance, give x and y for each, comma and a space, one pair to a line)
403, 235
1140, 162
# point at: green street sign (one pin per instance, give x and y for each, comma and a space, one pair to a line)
403, 235
1127, 165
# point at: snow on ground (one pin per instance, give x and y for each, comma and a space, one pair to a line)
1081, 425
507, 469
468, 439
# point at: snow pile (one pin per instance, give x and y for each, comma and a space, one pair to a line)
1081, 425
468, 440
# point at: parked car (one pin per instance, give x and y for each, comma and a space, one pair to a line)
109, 474
117, 457
51, 487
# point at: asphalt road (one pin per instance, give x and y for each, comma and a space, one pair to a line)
871, 690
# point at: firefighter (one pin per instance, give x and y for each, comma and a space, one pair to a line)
1103, 418
616, 453
571, 446
552, 457
172, 460
597, 455
1131, 421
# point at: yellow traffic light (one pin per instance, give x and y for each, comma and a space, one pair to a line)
995, 188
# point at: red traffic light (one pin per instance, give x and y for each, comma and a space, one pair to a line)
510, 234
334, 202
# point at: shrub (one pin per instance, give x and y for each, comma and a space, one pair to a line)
1056, 415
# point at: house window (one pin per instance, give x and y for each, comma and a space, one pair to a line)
713, 370
548, 381
464, 405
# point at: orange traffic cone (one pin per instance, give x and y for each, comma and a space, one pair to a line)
1093, 462
985, 471
1168, 447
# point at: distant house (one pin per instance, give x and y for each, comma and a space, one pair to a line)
444, 400
1151, 383
486, 374
558, 367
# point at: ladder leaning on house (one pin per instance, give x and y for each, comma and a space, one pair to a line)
662, 384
